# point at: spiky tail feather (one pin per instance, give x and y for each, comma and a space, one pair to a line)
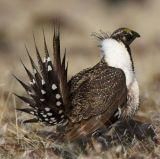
48, 89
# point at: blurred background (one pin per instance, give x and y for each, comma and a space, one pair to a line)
78, 20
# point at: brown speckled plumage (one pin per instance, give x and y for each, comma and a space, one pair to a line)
95, 91
96, 97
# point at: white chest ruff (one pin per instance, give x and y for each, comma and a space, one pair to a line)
116, 55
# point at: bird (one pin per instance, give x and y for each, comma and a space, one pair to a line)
93, 98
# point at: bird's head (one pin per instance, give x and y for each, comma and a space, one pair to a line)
125, 35
116, 48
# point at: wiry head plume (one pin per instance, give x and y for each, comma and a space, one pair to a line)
101, 35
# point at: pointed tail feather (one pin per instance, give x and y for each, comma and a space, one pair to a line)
34, 120
36, 73
29, 101
60, 67
25, 86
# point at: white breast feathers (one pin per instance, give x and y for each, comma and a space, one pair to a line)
117, 55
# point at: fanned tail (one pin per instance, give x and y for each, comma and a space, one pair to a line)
48, 89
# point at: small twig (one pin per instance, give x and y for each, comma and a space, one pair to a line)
17, 129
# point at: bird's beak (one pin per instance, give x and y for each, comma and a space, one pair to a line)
135, 34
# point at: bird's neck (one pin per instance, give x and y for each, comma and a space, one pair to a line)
117, 55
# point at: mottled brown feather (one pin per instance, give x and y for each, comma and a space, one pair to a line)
97, 98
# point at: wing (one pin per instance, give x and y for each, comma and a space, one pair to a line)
100, 95
78, 79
